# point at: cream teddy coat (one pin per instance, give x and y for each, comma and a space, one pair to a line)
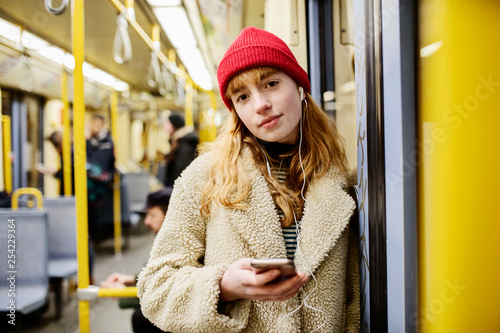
179, 287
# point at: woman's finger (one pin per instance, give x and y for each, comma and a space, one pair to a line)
279, 291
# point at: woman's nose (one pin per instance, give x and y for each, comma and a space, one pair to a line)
261, 102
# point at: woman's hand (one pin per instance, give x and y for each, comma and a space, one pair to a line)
240, 281
46, 170
117, 280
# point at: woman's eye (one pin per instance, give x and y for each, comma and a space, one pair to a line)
242, 98
272, 83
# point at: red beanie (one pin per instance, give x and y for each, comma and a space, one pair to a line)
255, 48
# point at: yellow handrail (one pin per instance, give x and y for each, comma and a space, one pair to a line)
116, 188
7, 148
80, 155
66, 142
188, 109
27, 190
122, 292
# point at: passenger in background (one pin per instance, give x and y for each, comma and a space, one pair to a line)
100, 170
183, 143
56, 140
272, 185
155, 209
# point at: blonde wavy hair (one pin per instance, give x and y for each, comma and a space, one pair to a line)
229, 182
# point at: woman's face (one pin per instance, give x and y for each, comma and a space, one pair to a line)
269, 106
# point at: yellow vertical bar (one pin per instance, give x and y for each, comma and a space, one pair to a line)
116, 187
203, 130
66, 143
2, 173
189, 104
213, 128
129, 3
459, 94
7, 152
188, 112
171, 55
155, 33
80, 154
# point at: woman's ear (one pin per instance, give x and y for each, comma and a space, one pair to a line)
301, 91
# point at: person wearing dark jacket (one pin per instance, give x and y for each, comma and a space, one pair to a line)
183, 143
100, 171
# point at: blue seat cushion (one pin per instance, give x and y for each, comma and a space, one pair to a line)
62, 268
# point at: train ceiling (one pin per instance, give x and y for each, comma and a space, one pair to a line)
100, 29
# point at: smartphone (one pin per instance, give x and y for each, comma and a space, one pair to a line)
286, 266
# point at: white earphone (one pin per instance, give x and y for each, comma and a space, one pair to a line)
301, 93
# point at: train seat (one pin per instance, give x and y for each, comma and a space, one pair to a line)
62, 235
30, 269
138, 186
63, 262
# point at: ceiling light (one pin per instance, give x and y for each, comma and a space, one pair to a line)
69, 61
52, 53
10, 31
120, 86
175, 23
31, 41
191, 58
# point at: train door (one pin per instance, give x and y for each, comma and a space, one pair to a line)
26, 112
384, 56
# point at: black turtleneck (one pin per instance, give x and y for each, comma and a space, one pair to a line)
277, 150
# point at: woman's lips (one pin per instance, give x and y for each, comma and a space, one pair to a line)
270, 122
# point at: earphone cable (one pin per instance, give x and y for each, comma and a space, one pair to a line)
297, 231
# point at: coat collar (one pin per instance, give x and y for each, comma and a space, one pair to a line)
327, 211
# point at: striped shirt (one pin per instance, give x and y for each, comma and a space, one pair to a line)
290, 232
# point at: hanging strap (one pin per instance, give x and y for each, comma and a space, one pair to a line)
122, 48
154, 76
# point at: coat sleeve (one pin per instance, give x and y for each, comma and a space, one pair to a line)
353, 289
177, 292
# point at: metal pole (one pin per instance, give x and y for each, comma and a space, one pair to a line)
80, 153
7, 151
66, 142
116, 187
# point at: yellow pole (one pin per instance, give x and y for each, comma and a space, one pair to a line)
129, 4
155, 33
208, 130
2, 173
188, 104
203, 130
116, 187
122, 292
212, 129
7, 152
66, 143
172, 56
80, 154
459, 95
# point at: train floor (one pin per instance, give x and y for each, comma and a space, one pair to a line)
105, 315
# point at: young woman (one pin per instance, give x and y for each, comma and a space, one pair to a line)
271, 186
